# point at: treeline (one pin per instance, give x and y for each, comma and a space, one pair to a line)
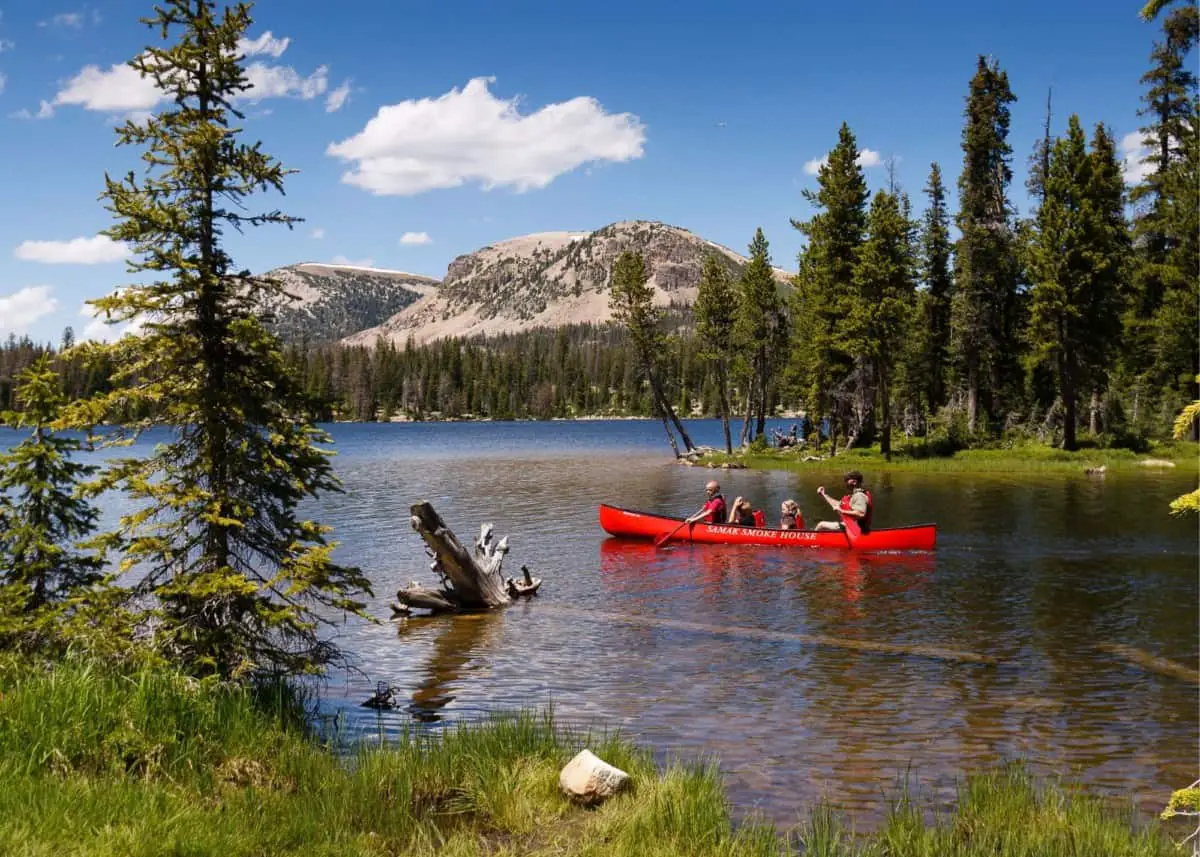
1078, 317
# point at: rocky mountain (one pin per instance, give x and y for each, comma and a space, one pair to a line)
550, 279
334, 301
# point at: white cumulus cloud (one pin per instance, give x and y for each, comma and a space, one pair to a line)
99, 329
264, 44
279, 81
1134, 151
96, 250
412, 239
22, 308
469, 135
337, 97
45, 111
121, 88
866, 159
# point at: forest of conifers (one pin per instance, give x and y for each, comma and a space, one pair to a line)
1078, 318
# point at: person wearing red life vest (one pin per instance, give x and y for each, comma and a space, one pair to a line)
855, 504
713, 511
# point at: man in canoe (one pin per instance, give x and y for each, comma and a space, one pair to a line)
856, 504
713, 511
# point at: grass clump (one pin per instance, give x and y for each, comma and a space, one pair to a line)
149, 762
99, 763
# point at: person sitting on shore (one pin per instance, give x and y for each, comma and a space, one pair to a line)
790, 517
856, 504
742, 513
713, 510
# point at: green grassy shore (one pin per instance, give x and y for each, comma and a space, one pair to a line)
96, 762
1183, 457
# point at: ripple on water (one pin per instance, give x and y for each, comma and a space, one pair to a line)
1030, 571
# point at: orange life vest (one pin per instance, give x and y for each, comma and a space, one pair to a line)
864, 522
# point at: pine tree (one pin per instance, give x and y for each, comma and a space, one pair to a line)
1076, 266
877, 326
935, 257
983, 323
632, 303
40, 509
1161, 338
760, 330
238, 578
716, 305
825, 281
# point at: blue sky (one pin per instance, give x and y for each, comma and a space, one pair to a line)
581, 114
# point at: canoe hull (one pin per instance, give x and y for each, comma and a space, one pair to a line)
625, 523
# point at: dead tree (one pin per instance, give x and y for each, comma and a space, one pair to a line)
467, 582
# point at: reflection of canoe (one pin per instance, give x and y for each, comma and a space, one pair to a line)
642, 525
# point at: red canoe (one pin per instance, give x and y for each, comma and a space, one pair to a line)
642, 525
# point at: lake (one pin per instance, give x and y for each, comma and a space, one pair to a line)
669, 645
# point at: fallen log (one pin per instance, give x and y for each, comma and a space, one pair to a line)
469, 582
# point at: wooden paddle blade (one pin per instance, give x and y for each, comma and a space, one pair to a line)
664, 539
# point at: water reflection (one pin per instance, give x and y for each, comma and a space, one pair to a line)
718, 649
460, 646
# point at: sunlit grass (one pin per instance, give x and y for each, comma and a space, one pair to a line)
97, 764
1030, 457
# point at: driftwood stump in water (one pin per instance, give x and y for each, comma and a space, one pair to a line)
468, 582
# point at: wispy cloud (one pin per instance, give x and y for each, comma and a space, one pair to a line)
318, 233
97, 250
337, 97
866, 159
413, 239
22, 308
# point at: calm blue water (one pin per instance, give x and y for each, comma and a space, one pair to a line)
742, 652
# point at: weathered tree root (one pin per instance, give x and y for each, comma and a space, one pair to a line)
467, 582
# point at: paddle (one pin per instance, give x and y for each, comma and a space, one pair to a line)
663, 540
851, 528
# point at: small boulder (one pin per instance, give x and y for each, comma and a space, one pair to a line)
589, 780
1156, 462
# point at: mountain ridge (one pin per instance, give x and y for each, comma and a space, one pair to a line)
549, 279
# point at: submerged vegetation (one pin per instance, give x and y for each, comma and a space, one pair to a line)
148, 761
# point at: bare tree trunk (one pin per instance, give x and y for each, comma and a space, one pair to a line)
972, 396
1094, 413
885, 415
668, 411
723, 390
468, 582
748, 412
761, 427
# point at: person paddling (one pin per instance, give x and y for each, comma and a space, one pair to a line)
856, 504
713, 511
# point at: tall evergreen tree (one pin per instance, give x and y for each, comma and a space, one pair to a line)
241, 582
41, 512
760, 328
878, 323
715, 309
983, 318
825, 280
632, 303
935, 259
1161, 338
1076, 265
